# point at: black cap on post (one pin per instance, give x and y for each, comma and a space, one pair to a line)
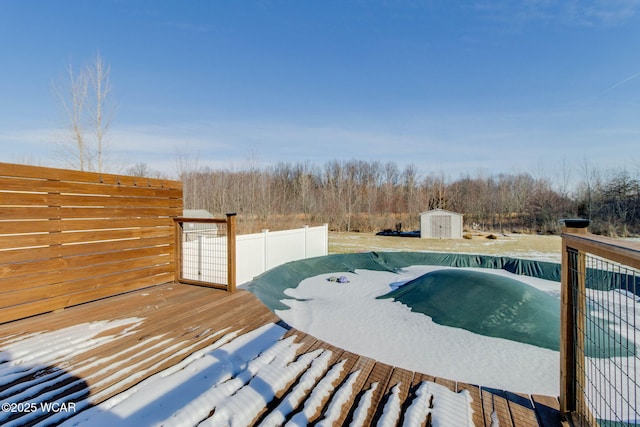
575, 225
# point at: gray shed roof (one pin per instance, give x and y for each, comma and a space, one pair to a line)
441, 211
196, 213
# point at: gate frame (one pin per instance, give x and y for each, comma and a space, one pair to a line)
230, 222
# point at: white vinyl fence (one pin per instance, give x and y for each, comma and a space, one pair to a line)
257, 253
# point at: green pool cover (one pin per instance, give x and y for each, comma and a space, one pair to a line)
482, 303
269, 287
486, 304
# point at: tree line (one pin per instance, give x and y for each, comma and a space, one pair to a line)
370, 196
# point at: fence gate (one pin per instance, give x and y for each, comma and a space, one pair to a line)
600, 353
206, 251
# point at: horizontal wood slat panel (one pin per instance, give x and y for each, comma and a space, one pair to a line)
171, 189
28, 171
111, 201
80, 237
118, 288
76, 267
42, 212
45, 226
45, 173
24, 296
115, 267
26, 241
18, 227
118, 245
40, 199
27, 199
99, 224
34, 212
55, 187
40, 278
42, 306
27, 254
104, 213
67, 237
16, 270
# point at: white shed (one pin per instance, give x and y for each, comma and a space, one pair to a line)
194, 228
440, 224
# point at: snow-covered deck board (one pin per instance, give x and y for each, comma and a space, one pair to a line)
103, 351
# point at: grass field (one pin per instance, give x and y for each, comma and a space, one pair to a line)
543, 248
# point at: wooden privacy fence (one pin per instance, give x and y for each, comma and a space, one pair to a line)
68, 237
600, 355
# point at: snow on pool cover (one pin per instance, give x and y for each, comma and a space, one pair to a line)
485, 304
353, 316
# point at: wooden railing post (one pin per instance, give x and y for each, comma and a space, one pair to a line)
231, 252
567, 318
567, 366
177, 231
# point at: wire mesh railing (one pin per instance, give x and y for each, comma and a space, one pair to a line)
206, 251
601, 331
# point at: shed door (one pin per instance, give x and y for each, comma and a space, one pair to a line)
441, 226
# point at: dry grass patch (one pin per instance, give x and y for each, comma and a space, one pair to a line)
544, 248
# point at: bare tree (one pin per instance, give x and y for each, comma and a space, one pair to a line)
101, 110
141, 169
86, 101
72, 95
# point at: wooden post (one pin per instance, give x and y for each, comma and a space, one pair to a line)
568, 397
231, 252
567, 365
177, 231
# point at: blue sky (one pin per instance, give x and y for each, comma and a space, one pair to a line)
455, 88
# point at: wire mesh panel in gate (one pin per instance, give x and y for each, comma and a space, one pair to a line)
204, 252
606, 299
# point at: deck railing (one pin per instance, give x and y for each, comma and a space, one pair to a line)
206, 251
600, 358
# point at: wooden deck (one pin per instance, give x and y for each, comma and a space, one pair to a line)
148, 331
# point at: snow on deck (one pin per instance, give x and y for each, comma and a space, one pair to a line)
185, 355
